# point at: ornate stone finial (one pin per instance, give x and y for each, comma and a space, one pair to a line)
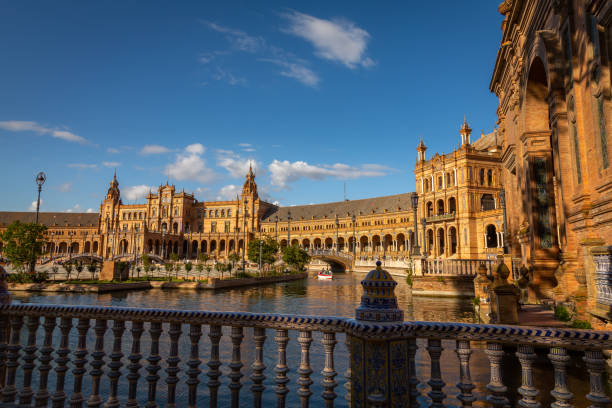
378, 302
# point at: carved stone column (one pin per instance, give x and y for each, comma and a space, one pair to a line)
380, 362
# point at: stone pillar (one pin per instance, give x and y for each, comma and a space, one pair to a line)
380, 364
505, 301
482, 287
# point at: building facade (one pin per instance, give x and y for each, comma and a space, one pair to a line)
552, 77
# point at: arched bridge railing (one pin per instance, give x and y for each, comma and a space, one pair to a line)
66, 256
75, 355
331, 253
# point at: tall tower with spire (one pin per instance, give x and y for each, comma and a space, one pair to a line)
465, 132
421, 148
109, 209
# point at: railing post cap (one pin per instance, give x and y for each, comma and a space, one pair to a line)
378, 301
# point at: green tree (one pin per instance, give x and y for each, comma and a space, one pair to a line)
23, 243
174, 257
203, 257
199, 268
68, 268
146, 262
208, 269
91, 267
188, 267
168, 267
269, 249
233, 258
296, 257
220, 268
79, 269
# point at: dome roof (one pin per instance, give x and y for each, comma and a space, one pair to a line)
378, 302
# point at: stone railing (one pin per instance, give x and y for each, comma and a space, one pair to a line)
331, 252
441, 217
455, 267
84, 359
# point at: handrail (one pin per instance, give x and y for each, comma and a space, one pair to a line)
505, 334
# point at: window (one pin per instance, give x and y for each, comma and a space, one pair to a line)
490, 178
229, 213
482, 177
227, 226
213, 226
440, 182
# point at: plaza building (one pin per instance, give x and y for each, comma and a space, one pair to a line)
553, 79
457, 198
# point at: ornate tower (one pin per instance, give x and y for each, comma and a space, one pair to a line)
250, 200
465, 133
109, 210
421, 151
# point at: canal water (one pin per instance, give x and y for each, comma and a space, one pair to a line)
339, 297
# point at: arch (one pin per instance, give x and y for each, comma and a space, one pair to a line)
440, 206
222, 245
123, 246
87, 248
430, 240
536, 93
452, 205
363, 243
340, 244
329, 243
175, 227
376, 243
241, 245
74, 248
317, 243
62, 248
295, 242
429, 209
204, 246
194, 249
157, 252
95, 247
452, 240
232, 245
441, 241
164, 227
491, 236
175, 247
487, 202
283, 243
387, 243
306, 243
351, 244
185, 248
150, 246
401, 242
213, 245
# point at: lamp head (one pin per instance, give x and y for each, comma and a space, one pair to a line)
41, 178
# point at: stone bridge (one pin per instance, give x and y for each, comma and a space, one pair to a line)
341, 260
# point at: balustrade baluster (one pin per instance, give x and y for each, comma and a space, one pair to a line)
304, 339
258, 377
42, 395
347, 384
80, 359
97, 363
527, 390
413, 380
173, 361
12, 360
496, 387
195, 332
25, 396
155, 330
465, 385
281, 369
434, 347
595, 363
559, 359
213, 373
115, 364
235, 365
59, 396
329, 372
134, 366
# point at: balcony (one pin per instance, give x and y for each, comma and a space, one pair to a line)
441, 217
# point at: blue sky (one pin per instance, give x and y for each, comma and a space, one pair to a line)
314, 94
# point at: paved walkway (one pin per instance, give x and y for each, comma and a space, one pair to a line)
538, 315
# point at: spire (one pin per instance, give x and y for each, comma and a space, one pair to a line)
421, 150
465, 132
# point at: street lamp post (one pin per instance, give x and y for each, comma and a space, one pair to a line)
337, 227
424, 224
415, 247
289, 228
70, 233
244, 215
502, 199
40, 180
260, 251
354, 243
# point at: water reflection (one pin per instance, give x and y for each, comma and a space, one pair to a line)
339, 297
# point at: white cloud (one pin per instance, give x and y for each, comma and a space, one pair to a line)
82, 165
112, 150
239, 39
336, 40
154, 149
33, 205
64, 188
226, 76
235, 165
89, 210
297, 71
111, 164
245, 144
248, 149
76, 208
133, 193
284, 172
190, 165
29, 126
228, 192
